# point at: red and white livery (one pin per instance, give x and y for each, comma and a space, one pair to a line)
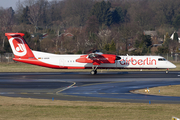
24, 54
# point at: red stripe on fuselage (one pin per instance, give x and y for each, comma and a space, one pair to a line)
36, 62
39, 63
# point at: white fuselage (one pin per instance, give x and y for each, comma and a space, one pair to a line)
126, 62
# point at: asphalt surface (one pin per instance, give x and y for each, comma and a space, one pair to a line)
74, 86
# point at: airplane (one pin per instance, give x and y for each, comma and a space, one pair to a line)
94, 61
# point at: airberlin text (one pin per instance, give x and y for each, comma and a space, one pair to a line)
147, 61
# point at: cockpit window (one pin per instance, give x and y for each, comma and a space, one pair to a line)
161, 59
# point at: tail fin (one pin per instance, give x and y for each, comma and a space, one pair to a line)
19, 46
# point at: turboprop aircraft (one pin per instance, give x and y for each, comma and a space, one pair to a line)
94, 61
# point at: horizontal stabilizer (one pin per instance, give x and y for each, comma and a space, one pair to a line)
14, 34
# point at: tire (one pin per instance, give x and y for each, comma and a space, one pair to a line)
93, 72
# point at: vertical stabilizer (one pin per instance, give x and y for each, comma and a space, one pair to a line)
19, 46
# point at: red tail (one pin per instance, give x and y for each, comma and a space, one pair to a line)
19, 46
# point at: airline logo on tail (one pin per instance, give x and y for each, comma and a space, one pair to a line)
18, 46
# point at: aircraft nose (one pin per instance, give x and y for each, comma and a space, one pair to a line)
172, 65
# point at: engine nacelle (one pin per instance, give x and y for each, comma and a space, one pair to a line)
97, 59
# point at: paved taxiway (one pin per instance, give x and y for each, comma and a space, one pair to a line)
110, 86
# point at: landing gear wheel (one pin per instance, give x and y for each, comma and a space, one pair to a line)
93, 72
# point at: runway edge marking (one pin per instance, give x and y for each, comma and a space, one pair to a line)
66, 88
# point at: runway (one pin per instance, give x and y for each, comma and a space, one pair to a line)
81, 86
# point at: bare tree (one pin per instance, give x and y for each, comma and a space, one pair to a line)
83, 41
34, 15
6, 21
35, 11
29, 2
19, 8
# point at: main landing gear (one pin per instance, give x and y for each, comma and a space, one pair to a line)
94, 70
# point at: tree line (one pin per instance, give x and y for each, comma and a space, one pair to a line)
81, 26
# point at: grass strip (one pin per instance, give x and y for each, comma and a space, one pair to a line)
171, 90
27, 108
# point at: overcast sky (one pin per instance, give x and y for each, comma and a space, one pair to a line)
10, 3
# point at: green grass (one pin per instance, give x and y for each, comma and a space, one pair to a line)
164, 90
26, 108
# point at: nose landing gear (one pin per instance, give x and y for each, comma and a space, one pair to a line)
167, 71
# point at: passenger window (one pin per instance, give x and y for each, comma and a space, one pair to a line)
161, 59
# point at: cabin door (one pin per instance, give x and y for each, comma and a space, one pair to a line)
61, 63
